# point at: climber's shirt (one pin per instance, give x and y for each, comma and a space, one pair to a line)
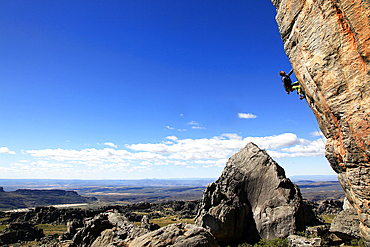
287, 82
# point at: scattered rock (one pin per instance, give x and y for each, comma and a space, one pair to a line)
20, 232
329, 207
150, 226
107, 228
252, 199
299, 241
346, 225
314, 211
317, 231
52, 215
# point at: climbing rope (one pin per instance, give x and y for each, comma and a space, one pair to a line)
309, 113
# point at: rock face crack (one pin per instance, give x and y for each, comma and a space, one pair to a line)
329, 48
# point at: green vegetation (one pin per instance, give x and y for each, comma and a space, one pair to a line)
3, 227
164, 221
276, 242
328, 218
50, 229
357, 242
140, 213
302, 234
283, 242
10, 201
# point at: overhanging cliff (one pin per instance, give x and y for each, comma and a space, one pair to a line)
328, 45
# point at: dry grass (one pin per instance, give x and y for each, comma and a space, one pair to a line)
140, 213
50, 229
328, 218
164, 221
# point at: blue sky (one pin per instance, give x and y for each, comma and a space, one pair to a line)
146, 89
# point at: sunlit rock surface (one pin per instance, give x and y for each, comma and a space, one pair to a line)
252, 199
328, 45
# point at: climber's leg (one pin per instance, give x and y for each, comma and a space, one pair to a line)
299, 90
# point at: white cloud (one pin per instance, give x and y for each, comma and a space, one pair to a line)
246, 115
41, 166
110, 144
5, 150
168, 127
317, 133
225, 145
190, 153
231, 136
191, 167
179, 163
197, 127
192, 123
277, 141
146, 163
44, 164
93, 156
314, 148
172, 138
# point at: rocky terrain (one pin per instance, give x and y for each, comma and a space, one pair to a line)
328, 45
81, 221
251, 200
92, 222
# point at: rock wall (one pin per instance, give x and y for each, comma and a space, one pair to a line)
328, 45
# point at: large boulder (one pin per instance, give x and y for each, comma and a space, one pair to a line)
177, 235
252, 199
346, 225
328, 45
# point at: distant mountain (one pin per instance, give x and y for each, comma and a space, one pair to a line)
25, 198
64, 184
313, 178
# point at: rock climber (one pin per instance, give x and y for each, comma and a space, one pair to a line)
289, 86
